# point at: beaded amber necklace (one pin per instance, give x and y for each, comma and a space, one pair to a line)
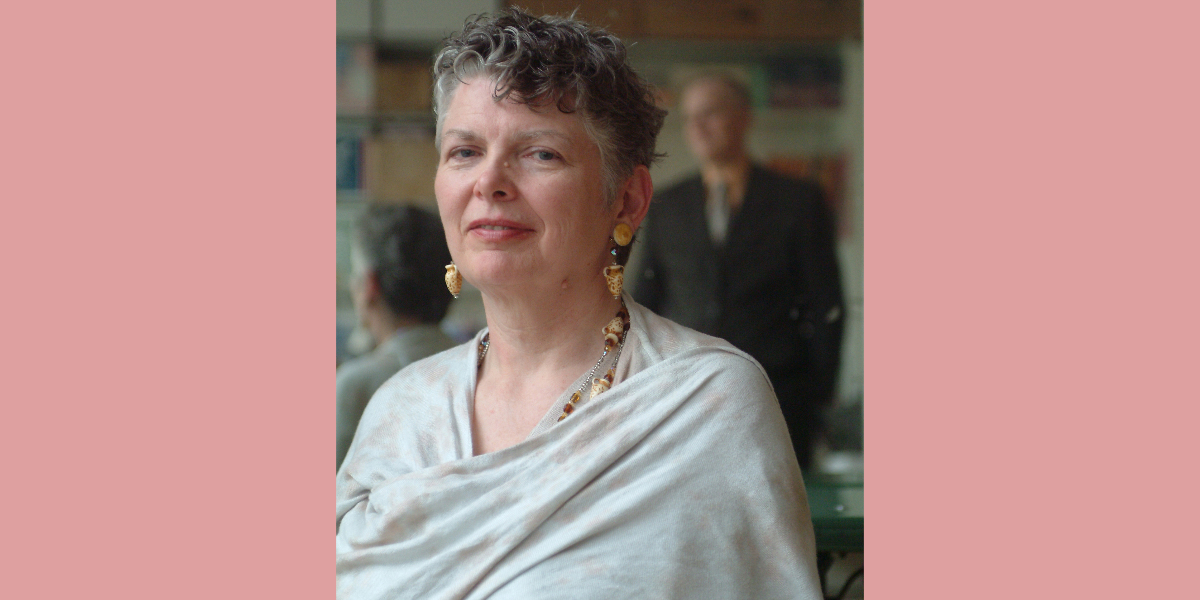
614, 338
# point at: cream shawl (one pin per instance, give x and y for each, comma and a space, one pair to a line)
679, 482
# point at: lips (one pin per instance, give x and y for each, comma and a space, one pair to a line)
497, 229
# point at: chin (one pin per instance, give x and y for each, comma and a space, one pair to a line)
494, 269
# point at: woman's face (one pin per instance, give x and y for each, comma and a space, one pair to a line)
519, 192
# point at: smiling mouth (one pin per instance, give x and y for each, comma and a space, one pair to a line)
499, 232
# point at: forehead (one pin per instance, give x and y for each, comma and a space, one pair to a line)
709, 94
473, 111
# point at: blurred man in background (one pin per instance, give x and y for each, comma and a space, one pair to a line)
748, 255
398, 260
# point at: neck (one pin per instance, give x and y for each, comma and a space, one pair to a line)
548, 332
732, 172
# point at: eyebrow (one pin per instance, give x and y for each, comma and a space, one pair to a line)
461, 134
525, 136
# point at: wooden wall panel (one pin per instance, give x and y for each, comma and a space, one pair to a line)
812, 20
617, 16
708, 19
783, 20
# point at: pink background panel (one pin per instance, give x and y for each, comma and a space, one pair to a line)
1031, 299
168, 244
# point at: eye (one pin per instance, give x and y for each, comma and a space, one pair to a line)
544, 155
462, 153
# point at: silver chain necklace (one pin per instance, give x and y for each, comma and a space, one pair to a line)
614, 341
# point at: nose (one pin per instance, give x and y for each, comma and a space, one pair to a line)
495, 181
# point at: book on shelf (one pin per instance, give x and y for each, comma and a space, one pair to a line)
805, 82
400, 164
355, 78
349, 161
403, 86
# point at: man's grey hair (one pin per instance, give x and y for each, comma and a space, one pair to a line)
735, 86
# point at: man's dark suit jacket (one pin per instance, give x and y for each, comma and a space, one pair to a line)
773, 290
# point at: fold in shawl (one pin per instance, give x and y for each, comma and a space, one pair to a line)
679, 482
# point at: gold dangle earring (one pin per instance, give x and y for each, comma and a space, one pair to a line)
453, 279
614, 274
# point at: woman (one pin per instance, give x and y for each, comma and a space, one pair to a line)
581, 446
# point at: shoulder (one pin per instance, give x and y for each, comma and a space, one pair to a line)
723, 385
802, 198
421, 393
352, 369
413, 417
665, 341
363, 372
439, 370
718, 386
798, 192
420, 342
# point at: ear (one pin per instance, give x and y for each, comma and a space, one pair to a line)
371, 291
634, 200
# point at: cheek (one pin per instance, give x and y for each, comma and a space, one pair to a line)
450, 227
449, 212
448, 194
441, 187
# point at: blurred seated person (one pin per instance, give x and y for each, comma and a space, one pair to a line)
581, 446
397, 256
748, 255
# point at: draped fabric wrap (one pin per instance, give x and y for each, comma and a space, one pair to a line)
679, 482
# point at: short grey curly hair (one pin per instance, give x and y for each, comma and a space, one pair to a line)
560, 61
